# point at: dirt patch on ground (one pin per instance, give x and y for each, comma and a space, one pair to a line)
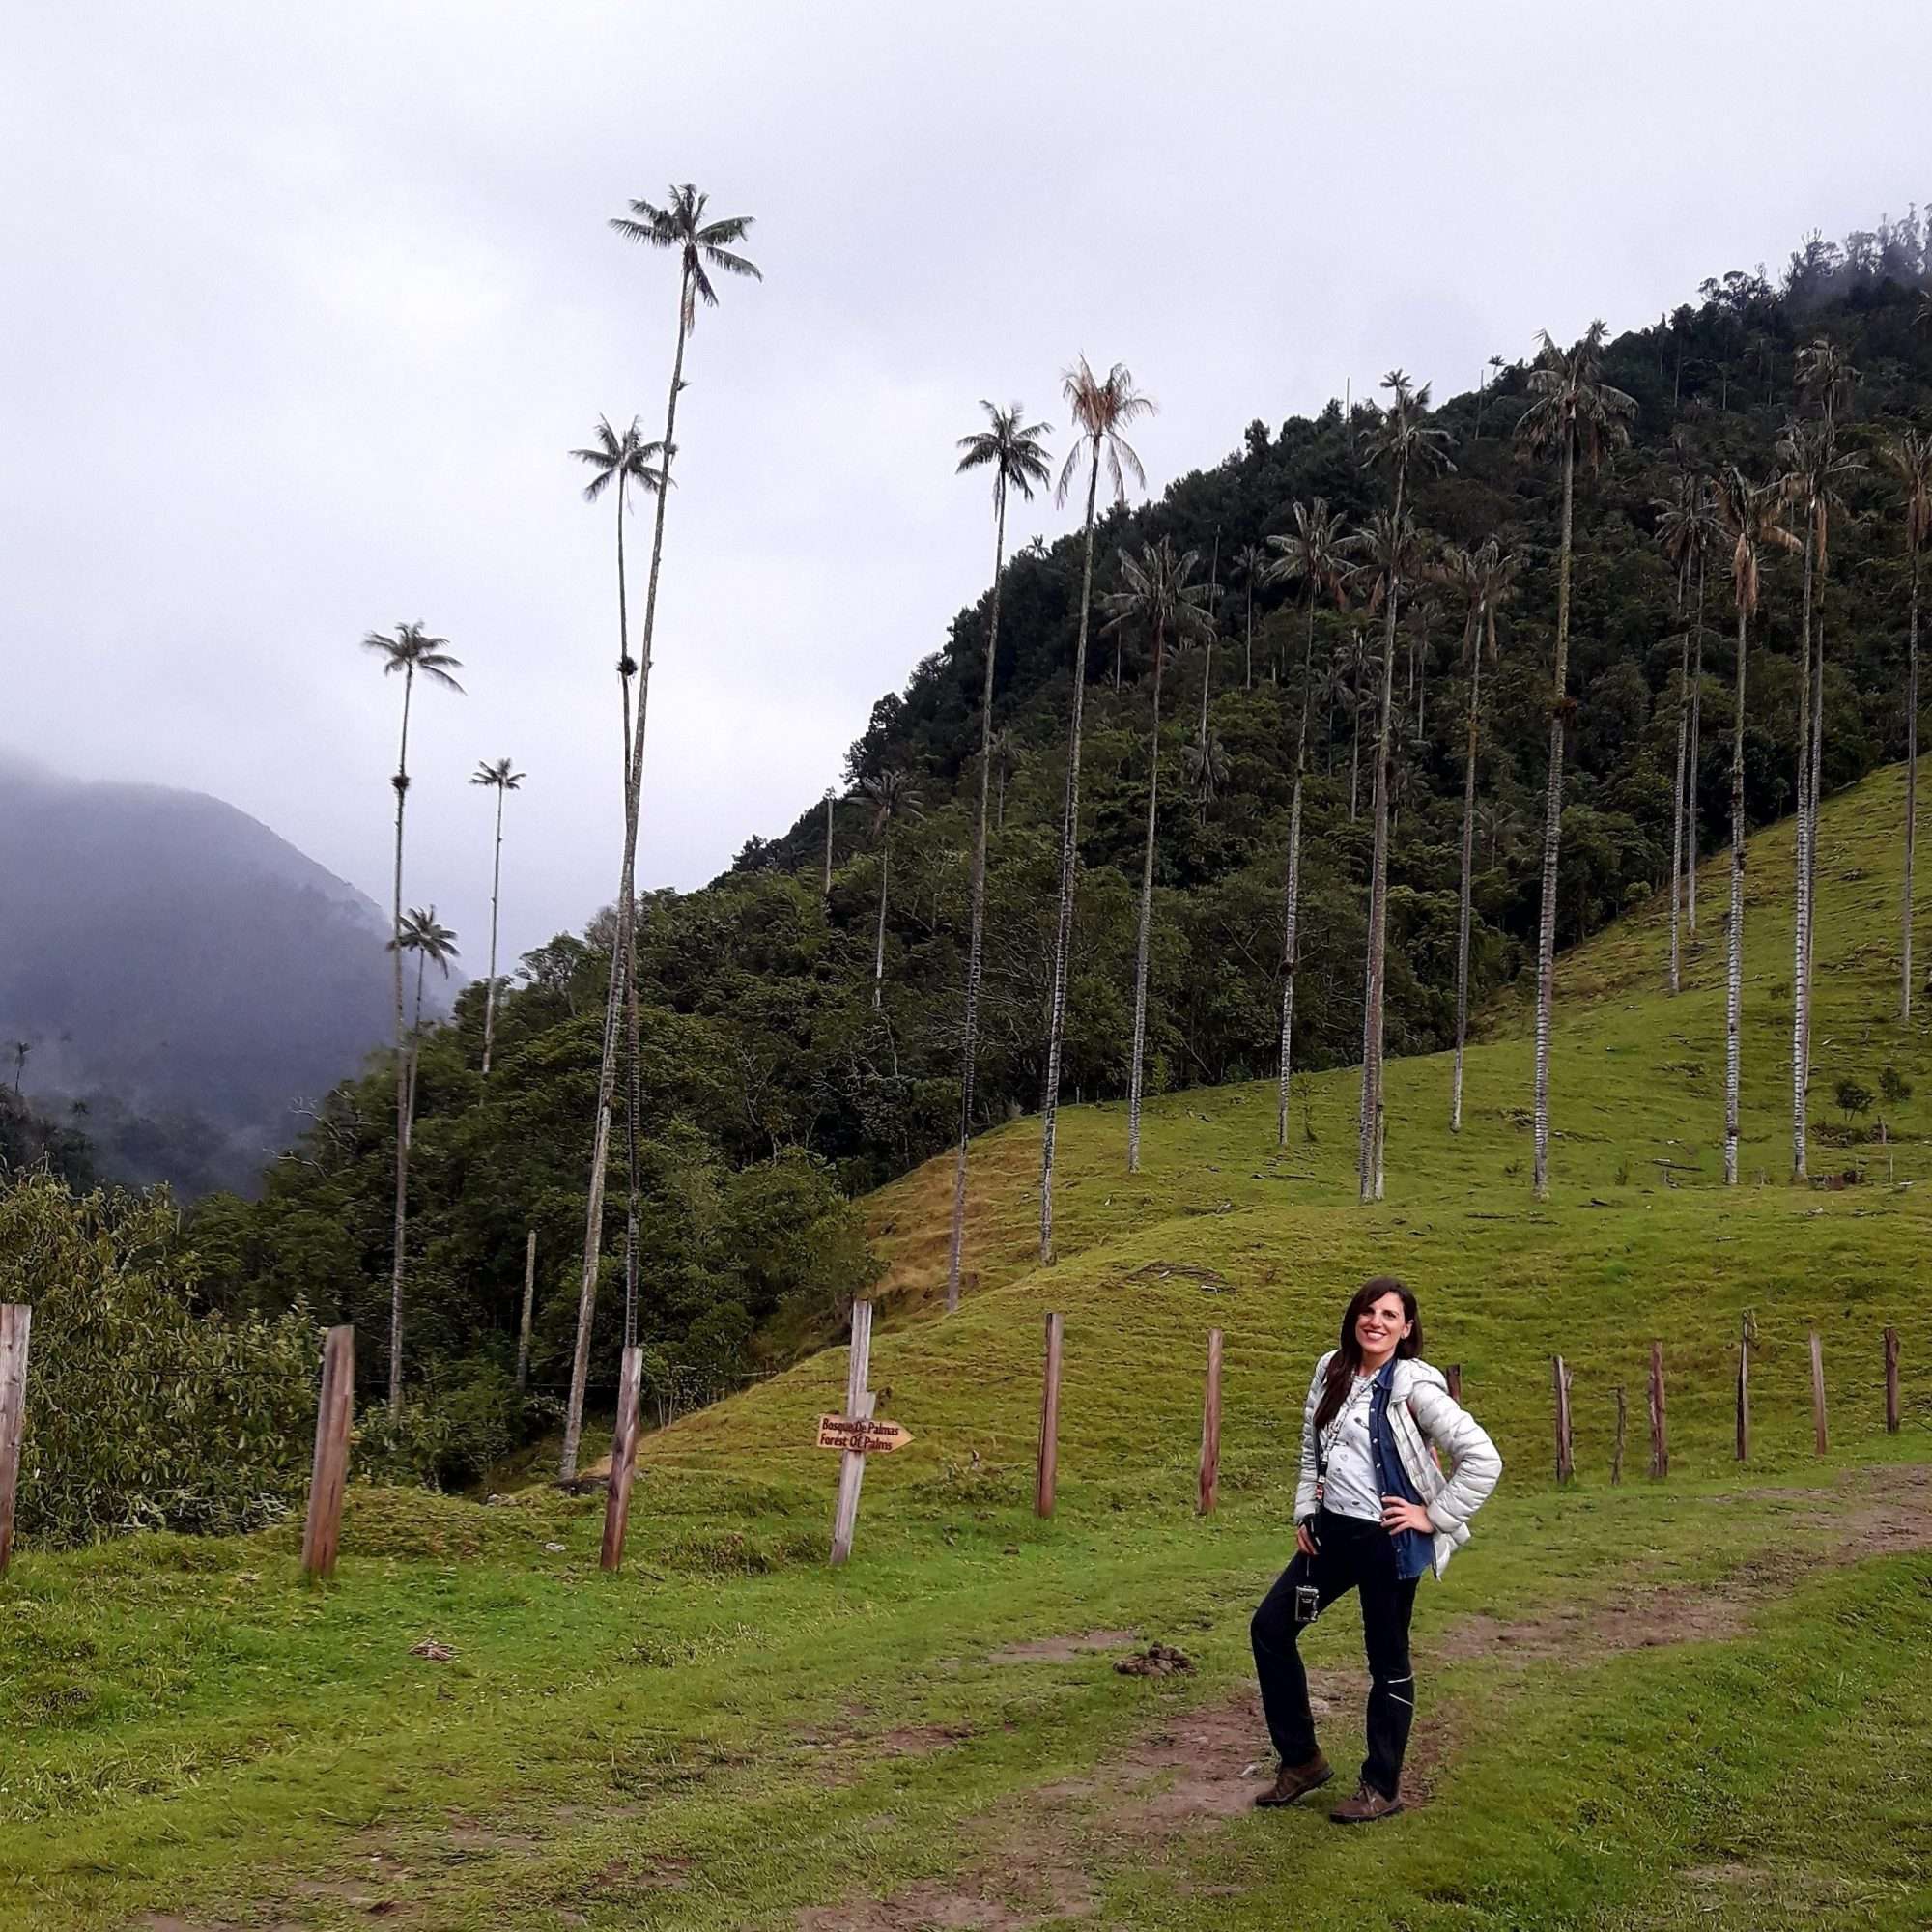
1870, 1512
1029, 1888
1062, 1649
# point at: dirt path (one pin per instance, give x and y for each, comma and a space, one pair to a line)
1200, 1768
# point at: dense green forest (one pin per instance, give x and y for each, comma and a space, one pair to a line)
777, 1080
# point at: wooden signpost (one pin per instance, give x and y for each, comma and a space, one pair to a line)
1049, 1421
1891, 1381
15, 1320
334, 1416
866, 1435
1454, 1380
623, 1459
858, 1400
1210, 1426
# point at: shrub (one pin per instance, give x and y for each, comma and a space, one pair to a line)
466, 1418
1852, 1097
1894, 1085
140, 1414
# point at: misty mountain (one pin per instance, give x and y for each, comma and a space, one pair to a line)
179, 970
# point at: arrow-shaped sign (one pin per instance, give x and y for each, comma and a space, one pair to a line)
860, 1436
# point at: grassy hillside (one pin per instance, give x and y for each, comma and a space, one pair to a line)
1695, 1704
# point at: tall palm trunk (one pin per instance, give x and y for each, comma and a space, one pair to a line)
415, 1041
1355, 757
1469, 868
879, 949
495, 898
1692, 765
1734, 938
969, 1030
633, 1094
615, 1004
1911, 794
1677, 792
401, 782
1291, 935
1552, 828
1800, 925
1368, 1169
1070, 839
1817, 788
828, 845
1146, 913
1248, 647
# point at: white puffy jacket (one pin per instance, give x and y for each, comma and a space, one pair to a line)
1423, 1416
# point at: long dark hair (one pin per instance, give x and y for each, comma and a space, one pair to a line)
1346, 1363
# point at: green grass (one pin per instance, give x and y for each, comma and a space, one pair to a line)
730, 1734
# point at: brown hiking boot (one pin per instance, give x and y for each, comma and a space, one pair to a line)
1367, 1803
1295, 1780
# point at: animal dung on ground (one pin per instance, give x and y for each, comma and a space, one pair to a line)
431, 1651
1157, 1659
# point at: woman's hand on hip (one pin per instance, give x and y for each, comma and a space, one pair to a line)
1400, 1514
1303, 1542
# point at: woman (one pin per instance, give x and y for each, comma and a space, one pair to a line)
1371, 1511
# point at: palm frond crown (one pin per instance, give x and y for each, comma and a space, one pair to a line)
1102, 408
1570, 398
1011, 448
701, 246
412, 650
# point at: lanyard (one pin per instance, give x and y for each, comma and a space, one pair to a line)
1362, 1394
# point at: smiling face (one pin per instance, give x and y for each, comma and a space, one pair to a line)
1379, 1327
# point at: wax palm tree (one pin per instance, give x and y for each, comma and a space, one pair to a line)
1014, 450
1486, 380
1160, 597
622, 457
1251, 560
21, 1049
1206, 763
413, 653
704, 248
1354, 661
1314, 553
1686, 529
1485, 580
1006, 754
1749, 513
1573, 415
892, 796
433, 944
502, 780
1402, 439
1102, 409
1824, 377
1909, 457
626, 458
1814, 471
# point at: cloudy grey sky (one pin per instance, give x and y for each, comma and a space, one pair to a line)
306, 305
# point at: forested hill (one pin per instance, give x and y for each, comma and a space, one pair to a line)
776, 1075
1715, 378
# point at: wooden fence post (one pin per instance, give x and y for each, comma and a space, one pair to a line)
16, 1319
1891, 1381
1210, 1426
1560, 1376
1049, 1422
334, 1415
859, 1400
529, 1296
1455, 1380
1660, 1441
1821, 1441
1744, 1392
623, 1459
1623, 1421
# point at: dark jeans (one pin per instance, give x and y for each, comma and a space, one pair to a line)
1353, 1555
